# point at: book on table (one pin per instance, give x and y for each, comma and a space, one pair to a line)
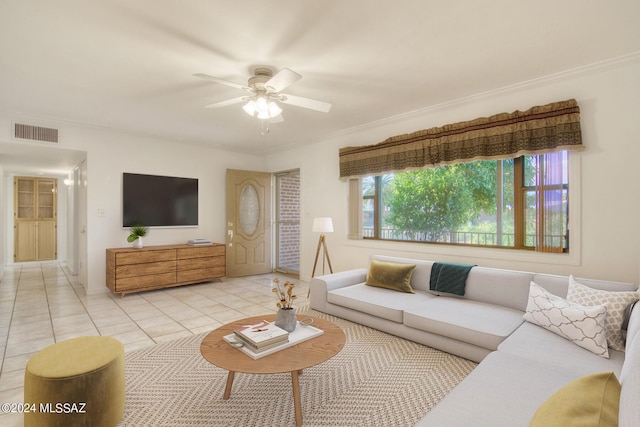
262, 348
300, 334
261, 334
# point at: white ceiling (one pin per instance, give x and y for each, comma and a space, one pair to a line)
34, 159
129, 64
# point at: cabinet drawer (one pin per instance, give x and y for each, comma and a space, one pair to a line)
200, 275
141, 282
145, 256
150, 268
157, 267
201, 251
196, 263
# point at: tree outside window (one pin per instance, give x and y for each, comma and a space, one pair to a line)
473, 203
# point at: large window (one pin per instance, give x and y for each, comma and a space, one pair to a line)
519, 203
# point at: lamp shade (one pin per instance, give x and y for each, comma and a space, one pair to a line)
322, 225
274, 109
250, 107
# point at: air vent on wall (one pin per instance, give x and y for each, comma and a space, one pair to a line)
35, 133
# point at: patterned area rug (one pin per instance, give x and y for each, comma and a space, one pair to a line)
376, 380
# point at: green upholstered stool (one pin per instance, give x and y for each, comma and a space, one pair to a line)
77, 382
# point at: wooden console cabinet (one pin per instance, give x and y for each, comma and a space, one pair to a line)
156, 267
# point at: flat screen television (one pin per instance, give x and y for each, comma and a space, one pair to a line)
159, 201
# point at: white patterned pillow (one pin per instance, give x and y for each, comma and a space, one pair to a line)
581, 324
618, 302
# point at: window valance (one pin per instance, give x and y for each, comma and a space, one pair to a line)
541, 129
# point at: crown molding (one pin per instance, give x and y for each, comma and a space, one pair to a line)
572, 72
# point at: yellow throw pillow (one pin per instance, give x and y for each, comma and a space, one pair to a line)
590, 401
390, 275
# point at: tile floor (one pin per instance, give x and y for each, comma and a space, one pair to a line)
42, 303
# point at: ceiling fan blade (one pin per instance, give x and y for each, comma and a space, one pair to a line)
227, 102
311, 104
221, 81
284, 78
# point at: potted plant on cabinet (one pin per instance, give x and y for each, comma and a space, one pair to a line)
138, 231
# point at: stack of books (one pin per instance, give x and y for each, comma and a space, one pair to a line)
199, 242
300, 334
261, 336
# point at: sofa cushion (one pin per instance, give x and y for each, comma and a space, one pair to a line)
617, 304
626, 320
630, 376
378, 302
390, 275
473, 322
580, 324
536, 343
507, 288
559, 285
633, 327
505, 390
593, 400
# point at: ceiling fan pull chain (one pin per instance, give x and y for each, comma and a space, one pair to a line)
262, 133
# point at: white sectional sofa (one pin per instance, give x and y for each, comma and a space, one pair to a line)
521, 365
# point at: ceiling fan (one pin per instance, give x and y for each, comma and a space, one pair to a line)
264, 94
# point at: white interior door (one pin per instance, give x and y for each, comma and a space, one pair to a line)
248, 222
81, 223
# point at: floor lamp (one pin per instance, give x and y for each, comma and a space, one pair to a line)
321, 225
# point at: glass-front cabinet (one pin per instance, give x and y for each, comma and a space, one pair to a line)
35, 218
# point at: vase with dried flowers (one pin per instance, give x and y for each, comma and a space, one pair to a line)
286, 316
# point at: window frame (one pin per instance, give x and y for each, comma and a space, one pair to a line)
519, 196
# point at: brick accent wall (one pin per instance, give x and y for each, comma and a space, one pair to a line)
289, 221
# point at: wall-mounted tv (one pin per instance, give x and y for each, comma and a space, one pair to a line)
159, 201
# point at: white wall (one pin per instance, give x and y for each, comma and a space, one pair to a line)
70, 243
607, 240
109, 154
63, 219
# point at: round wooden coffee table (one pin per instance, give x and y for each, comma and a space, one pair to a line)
293, 359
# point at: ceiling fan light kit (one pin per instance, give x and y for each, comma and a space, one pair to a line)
262, 108
265, 94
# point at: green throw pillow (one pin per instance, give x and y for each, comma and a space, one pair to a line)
590, 401
390, 275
